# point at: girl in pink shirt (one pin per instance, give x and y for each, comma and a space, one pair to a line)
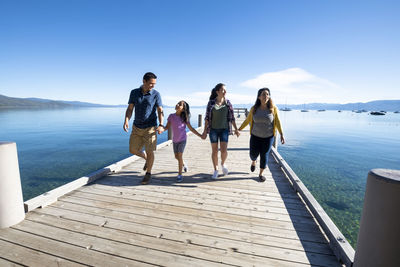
178, 122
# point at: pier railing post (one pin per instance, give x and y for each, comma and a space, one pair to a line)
275, 143
200, 121
169, 133
379, 234
11, 200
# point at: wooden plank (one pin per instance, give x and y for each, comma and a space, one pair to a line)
6, 263
18, 255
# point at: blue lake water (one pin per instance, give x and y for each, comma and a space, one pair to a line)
331, 152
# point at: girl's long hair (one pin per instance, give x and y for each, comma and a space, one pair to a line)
185, 114
270, 103
214, 91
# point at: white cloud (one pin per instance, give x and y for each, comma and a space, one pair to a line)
295, 85
291, 86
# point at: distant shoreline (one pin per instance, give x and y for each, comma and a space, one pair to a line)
38, 103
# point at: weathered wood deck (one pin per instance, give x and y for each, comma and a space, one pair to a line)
115, 221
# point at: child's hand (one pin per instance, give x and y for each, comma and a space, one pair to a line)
237, 132
160, 129
204, 135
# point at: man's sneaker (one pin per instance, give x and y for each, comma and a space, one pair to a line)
225, 170
262, 178
145, 166
146, 178
215, 175
185, 168
179, 178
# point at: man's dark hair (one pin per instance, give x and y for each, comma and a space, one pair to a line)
148, 76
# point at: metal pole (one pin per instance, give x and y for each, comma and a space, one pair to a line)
11, 200
379, 234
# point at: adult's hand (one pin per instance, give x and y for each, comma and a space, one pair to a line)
282, 140
237, 132
160, 129
126, 126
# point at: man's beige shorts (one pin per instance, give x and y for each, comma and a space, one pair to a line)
146, 137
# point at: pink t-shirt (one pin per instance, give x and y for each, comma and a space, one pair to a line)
178, 128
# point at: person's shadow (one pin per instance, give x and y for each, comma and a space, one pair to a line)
167, 178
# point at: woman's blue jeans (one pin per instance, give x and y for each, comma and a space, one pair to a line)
260, 146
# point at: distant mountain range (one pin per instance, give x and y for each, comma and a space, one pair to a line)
377, 105
18, 103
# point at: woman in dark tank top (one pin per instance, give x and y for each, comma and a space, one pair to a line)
219, 121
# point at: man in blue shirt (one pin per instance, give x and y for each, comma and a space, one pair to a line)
147, 102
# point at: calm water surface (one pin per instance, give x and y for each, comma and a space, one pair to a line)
331, 152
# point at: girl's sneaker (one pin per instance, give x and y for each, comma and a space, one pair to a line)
185, 168
215, 175
179, 178
225, 170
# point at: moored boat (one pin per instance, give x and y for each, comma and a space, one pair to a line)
377, 113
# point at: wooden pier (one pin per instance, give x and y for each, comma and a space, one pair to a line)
232, 221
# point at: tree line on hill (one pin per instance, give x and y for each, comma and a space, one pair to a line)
13, 102
17, 103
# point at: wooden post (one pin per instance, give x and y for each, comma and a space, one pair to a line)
11, 200
169, 133
275, 143
379, 234
200, 121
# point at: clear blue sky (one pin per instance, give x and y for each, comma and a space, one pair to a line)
304, 51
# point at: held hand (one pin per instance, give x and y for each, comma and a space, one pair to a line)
237, 132
160, 129
126, 126
282, 140
204, 135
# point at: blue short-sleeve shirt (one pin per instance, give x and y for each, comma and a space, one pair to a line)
145, 107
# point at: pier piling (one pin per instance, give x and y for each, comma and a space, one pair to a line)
11, 200
379, 235
200, 121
